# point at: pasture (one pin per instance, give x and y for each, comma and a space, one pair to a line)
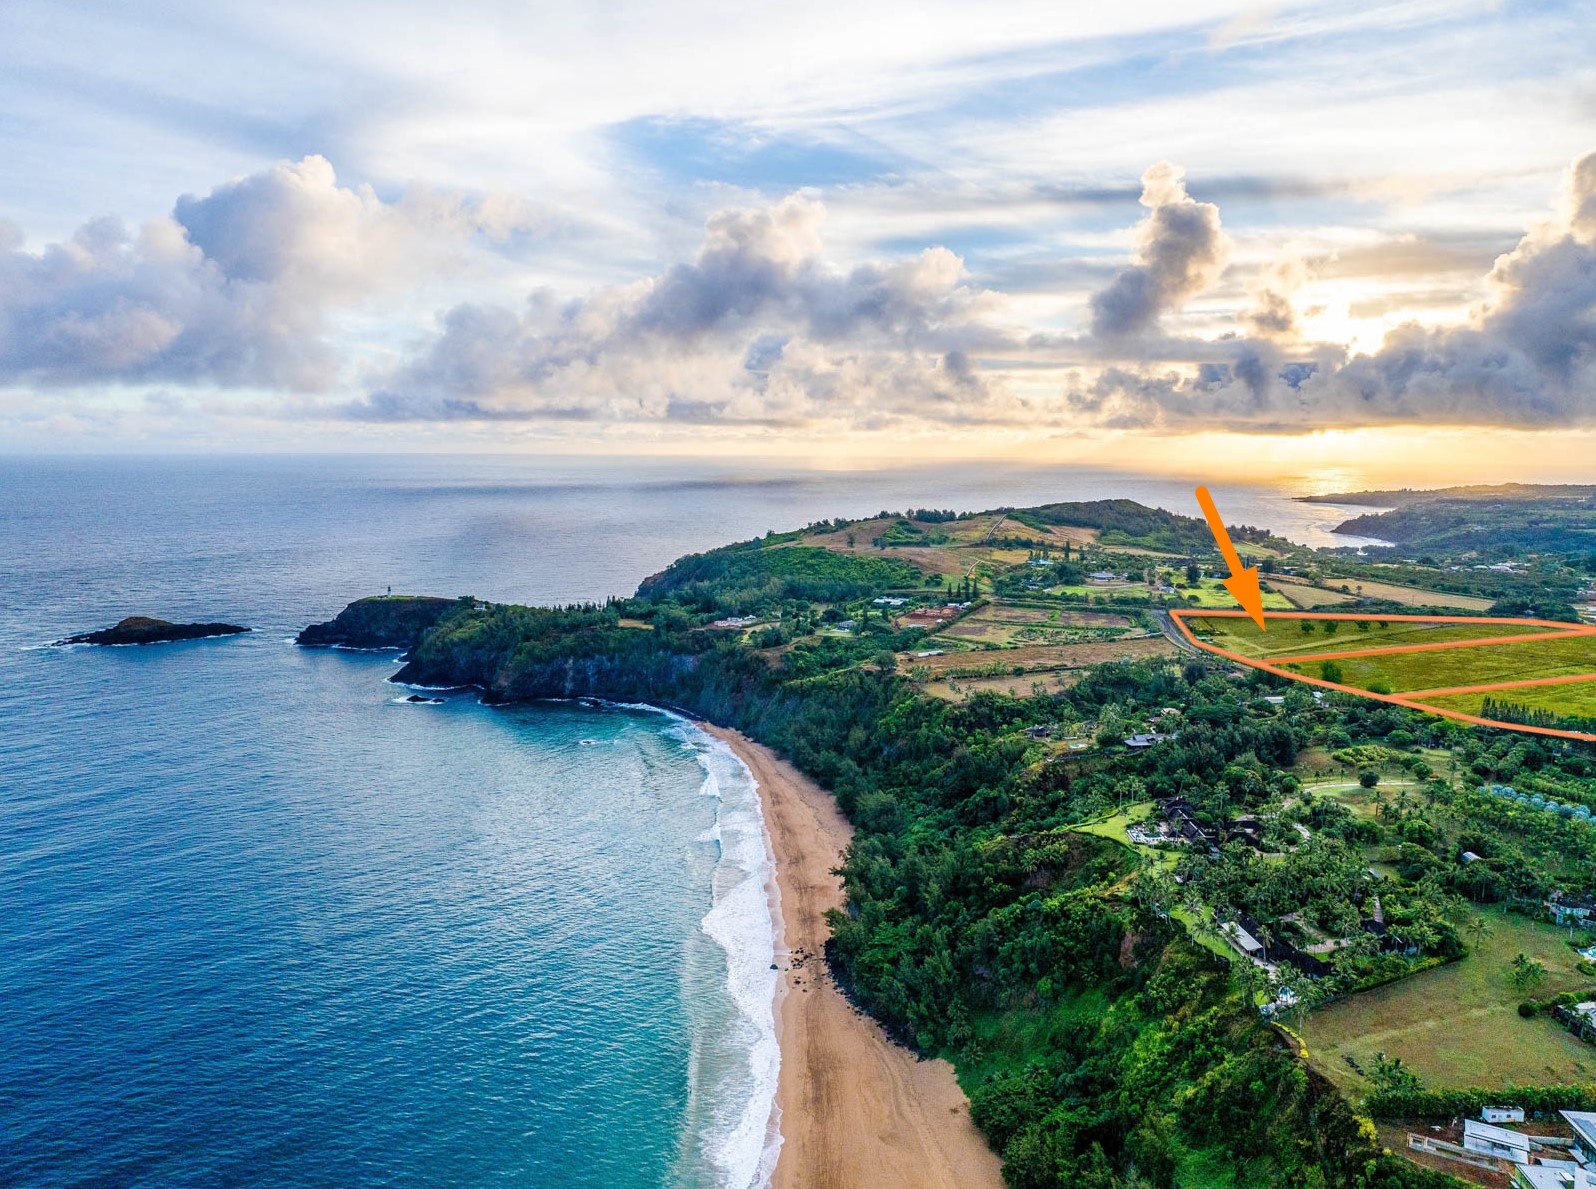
1408, 672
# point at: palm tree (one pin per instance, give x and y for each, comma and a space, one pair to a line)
1478, 929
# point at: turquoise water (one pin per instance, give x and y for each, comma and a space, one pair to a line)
266, 924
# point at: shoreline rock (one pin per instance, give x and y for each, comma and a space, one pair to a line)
385, 621
142, 629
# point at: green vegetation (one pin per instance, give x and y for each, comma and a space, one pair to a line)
1503, 521
748, 577
999, 913
1459, 1025
1573, 702
1294, 638
1445, 668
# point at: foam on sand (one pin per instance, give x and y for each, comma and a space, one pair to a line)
740, 1123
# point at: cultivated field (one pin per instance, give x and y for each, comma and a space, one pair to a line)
1458, 1025
1408, 596
1303, 596
1042, 657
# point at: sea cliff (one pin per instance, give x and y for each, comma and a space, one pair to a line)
384, 621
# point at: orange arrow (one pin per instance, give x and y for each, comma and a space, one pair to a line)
1242, 583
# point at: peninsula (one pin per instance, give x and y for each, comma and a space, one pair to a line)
1168, 916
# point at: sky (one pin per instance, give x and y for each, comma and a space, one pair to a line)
1266, 234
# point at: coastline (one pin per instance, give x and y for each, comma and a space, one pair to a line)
855, 1108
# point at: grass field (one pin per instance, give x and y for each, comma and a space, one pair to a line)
1408, 596
1212, 593
1286, 637
1402, 657
1458, 1025
1409, 671
1577, 699
1305, 597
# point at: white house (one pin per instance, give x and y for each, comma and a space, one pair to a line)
1496, 1141
1552, 1176
1502, 1114
1584, 1125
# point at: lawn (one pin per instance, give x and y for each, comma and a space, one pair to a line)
1458, 1025
1211, 593
1445, 668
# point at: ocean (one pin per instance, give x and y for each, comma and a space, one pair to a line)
266, 923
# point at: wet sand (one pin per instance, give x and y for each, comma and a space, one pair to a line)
857, 1111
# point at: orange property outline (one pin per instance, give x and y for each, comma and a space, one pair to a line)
1558, 631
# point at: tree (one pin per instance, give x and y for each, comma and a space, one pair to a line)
1525, 972
1368, 778
1193, 574
1390, 1076
1478, 929
886, 661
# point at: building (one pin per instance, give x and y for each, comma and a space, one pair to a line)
1572, 908
1502, 1114
1244, 941
1137, 742
1553, 1176
1496, 1141
1584, 1125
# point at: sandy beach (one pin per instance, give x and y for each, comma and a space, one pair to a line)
857, 1110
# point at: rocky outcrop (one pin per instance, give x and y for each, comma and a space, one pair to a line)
386, 621
141, 629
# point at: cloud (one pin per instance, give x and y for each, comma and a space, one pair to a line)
757, 328
1526, 356
235, 288
1180, 252
1273, 314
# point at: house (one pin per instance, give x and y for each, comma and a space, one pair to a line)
1177, 813
1138, 742
1496, 1141
1572, 908
1553, 1174
1502, 1114
735, 621
1248, 829
886, 601
1039, 732
1244, 941
1584, 1125
1103, 576
1275, 700
1470, 857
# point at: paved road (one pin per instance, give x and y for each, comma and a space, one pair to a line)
1166, 624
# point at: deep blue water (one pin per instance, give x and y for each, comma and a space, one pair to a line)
263, 924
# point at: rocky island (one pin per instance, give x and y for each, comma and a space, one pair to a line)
142, 629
